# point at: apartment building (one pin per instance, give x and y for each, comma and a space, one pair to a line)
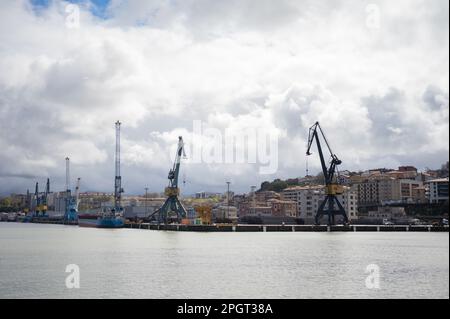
437, 190
383, 189
264, 204
283, 208
309, 198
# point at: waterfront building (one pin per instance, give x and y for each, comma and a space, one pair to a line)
265, 196
380, 189
437, 190
259, 211
309, 198
283, 208
225, 212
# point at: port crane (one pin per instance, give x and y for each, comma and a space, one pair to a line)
332, 188
44, 201
172, 203
38, 200
118, 190
71, 211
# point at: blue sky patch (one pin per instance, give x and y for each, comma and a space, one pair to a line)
98, 8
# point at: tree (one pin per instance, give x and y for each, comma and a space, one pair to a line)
6, 202
444, 170
265, 186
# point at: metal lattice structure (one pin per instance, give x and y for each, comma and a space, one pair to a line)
71, 212
332, 188
118, 190
172, 205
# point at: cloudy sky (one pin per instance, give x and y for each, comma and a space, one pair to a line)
374, 73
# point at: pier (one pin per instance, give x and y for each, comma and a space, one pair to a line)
287, 228
265, 228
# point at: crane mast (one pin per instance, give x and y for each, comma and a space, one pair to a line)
77, 193
45, 198
67, 175
118, 190
38, 199
68, 195
332, 188
71, 212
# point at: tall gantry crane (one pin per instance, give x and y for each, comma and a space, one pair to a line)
332, 188
118, 190
44, 200
38, 200
71, 211
172, 203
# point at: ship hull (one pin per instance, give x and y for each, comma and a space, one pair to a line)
101, 222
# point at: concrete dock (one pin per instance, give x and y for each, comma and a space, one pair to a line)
288, 228
269, 228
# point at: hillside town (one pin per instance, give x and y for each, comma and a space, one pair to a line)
374, 196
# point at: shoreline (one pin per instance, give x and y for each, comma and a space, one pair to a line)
268, 228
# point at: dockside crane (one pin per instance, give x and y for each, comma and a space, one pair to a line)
38, 200
118, 190
71, 211
44, 200
332, 188
41, 200
172, 203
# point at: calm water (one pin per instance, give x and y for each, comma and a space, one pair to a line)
150, 264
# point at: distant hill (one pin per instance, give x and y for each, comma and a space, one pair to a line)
279, 185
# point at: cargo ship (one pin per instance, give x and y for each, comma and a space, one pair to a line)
101, 220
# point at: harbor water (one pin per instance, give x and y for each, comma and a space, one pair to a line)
130, 263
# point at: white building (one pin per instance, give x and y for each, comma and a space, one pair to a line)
437, 190
309, 198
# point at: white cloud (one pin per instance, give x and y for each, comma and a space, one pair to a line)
381, 95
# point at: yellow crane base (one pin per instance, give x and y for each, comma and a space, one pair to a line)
334, 189
172, 191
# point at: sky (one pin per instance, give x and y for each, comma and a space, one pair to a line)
375, 74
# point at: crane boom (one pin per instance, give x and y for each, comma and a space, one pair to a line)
38, 199
77, 192
175, 171
331, 187
172, 203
